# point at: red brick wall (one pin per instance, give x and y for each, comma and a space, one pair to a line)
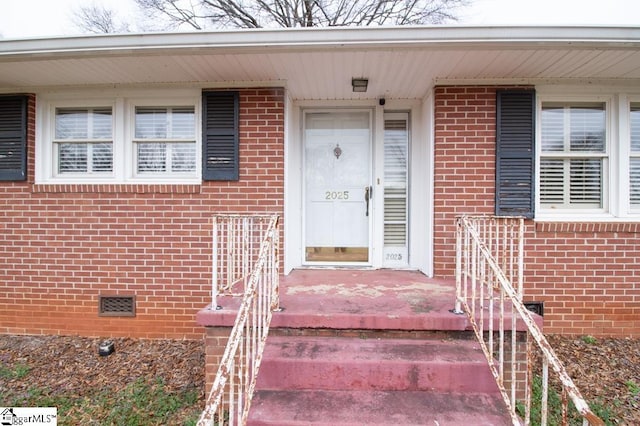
215, 340
587, 275
62, 246
464, 183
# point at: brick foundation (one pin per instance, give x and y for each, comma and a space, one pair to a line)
216, 339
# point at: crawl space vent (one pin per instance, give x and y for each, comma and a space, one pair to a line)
535, 307
117, 306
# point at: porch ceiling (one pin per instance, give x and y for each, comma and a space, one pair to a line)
319, 63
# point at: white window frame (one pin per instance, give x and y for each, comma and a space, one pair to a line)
88, 141
616, 187
625, 132
133, 141
122, 104
604, 156
610, 159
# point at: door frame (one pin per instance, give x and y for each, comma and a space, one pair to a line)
421, 213
372, 210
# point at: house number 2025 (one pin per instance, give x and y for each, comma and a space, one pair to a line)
336, 195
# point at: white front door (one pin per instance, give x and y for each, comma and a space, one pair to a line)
337, 189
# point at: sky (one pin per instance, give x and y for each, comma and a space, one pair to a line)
43, 18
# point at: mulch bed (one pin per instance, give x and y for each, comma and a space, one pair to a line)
71, 366
606, 371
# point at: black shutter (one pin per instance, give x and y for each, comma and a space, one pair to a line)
220, 139
515, 153
13, 137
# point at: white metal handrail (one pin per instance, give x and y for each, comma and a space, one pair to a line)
489, 258
230, 398
236, 244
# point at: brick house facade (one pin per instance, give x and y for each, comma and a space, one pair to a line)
585, 273
65, 243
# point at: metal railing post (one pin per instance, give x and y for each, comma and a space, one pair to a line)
214, 266
458, 304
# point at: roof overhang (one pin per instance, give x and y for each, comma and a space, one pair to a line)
318, 63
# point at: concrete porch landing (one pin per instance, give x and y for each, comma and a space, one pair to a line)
356, 299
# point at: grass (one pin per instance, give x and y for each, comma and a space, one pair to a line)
139, 403
554, 408
633, 387
18, 372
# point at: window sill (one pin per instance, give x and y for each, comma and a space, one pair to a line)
588, 225
147, 188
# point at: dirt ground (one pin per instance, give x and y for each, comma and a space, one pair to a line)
605, 370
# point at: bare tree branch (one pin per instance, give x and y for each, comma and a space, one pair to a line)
307, 13
177, 13
98, 20
209, 14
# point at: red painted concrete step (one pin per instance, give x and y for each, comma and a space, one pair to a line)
337, 363
349, 381
398, 408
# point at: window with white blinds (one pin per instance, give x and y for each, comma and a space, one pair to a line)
117, 136
396, 151
165, 139
83, 140
573, 156
634, 157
